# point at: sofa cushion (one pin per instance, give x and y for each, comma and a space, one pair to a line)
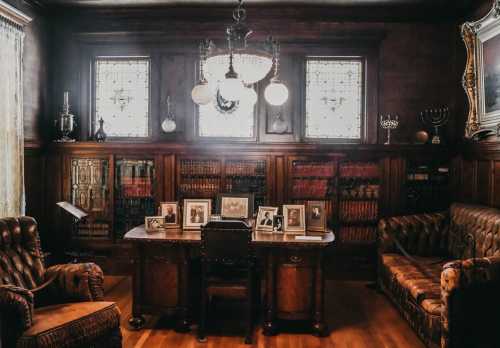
421, 281
71, 324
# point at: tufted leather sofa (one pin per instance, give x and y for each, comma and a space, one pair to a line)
59, 306
448, 284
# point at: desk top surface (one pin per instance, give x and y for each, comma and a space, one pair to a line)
180, 236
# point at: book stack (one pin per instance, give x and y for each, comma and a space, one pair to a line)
310, 188
93, 230
359, 170
358, 234
199, 167
136, 187
357, 211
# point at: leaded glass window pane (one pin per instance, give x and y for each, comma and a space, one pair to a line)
334, 98
237, 123
122, 96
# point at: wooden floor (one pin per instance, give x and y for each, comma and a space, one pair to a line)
357, 315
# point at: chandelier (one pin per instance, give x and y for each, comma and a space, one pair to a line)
232, 70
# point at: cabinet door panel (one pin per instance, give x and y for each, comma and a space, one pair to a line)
294, 291
160, 283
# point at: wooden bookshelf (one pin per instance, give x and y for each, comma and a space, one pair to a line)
358, 201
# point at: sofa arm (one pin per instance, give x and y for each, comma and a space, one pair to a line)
421, 234
76, 282
16, 305
470, 286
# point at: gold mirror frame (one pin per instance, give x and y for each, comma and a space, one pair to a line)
474, 34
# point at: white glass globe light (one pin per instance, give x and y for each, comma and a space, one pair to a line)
249, 96
276, 93
202, 93
231, 89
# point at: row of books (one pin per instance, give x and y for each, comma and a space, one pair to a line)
360, 192
93, 230
200, 185
350, 211
360, 170
199, 167
326, 169
136, 187
310, 188
358, 234
245, 168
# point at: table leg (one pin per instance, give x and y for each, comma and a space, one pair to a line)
137, 321
270, 308
182, 324
319, 326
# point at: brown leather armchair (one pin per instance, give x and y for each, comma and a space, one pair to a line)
59, 306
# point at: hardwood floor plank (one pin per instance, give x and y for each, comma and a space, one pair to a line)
358, 317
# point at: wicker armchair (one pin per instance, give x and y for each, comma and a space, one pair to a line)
59, 306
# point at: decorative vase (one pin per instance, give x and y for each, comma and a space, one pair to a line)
100, 136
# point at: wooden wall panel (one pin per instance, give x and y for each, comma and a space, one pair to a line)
484, 182
496, 184
468, 181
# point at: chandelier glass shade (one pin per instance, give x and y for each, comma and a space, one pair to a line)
202, 93
250, 65
238, 65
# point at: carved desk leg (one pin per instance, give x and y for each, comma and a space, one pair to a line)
137, 321
270, 309
319, 326
183, 321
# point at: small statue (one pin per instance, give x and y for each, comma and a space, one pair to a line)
100, 136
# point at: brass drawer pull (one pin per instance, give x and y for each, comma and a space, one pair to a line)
295, 259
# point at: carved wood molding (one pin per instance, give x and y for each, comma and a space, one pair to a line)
471, 80
13, 15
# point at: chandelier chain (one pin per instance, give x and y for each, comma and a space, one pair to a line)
239, 13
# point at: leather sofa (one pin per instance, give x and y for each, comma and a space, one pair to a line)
59, 306
442, 271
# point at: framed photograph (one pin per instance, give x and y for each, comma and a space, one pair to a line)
153, 223
316, 216
278, 223
294, 218
235, 205
170, 213
482, 71
265, 218
196, 213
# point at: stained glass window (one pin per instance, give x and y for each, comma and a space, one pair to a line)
334, 98
122, 96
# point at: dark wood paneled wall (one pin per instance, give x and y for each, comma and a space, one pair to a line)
479, 168
417, 68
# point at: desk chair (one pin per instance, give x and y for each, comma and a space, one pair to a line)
228, 268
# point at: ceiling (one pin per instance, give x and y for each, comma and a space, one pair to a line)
453, 4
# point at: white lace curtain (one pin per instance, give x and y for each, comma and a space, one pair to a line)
11, 120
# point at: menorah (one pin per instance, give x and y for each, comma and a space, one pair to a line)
435, 118
389, 123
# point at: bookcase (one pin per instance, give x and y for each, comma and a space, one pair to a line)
133, 193
427, 187
89, 190
358, 201
313, 179
206, 178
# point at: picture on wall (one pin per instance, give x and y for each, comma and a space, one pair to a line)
235, 205
294, 218
265, 218
196, 213
170, 213
491, 63
316, 216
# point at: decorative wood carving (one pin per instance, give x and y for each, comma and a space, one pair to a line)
474, 34
13, 15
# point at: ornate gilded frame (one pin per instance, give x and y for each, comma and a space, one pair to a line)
474, 34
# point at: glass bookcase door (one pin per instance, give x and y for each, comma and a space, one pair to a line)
134, 193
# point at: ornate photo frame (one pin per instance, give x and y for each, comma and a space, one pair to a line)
481, 79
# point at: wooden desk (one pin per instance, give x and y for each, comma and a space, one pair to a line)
293, 273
